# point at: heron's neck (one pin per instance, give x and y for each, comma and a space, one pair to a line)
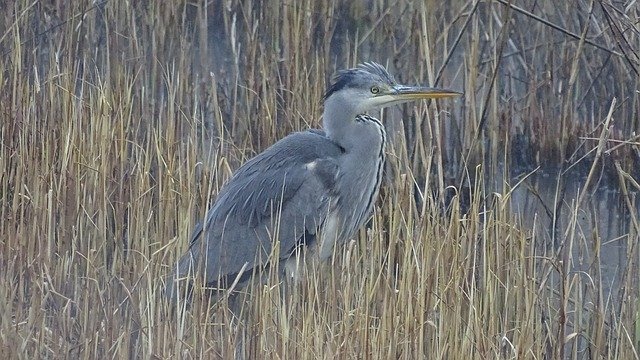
339, 123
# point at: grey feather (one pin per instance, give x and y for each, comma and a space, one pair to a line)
275, 184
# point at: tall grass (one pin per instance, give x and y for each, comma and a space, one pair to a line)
120, 122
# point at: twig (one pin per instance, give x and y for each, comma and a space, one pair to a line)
456, 42
62, 23
604, 134
504, 34
556, 27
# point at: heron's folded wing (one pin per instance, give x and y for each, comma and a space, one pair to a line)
280, 194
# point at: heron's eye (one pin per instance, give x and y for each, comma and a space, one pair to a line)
375, 89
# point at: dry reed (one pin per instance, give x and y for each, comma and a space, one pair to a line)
119, 122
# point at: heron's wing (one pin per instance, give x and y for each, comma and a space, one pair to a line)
282, 194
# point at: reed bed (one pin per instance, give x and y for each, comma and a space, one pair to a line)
120, 121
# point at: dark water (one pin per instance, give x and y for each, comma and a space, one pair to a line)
547, 204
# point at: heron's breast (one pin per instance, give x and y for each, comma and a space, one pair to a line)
329, 236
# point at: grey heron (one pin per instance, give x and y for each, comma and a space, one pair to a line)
308, 192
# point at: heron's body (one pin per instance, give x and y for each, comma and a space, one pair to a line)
310, 190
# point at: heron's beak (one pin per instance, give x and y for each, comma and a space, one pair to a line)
406, 93
401, 93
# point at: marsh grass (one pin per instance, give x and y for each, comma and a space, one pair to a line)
121, 121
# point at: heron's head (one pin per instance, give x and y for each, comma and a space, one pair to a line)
369, 86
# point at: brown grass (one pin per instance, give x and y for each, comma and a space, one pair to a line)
119, 122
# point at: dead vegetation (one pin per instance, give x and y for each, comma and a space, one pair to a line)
119, 122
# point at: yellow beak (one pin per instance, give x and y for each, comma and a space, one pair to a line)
402, 92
